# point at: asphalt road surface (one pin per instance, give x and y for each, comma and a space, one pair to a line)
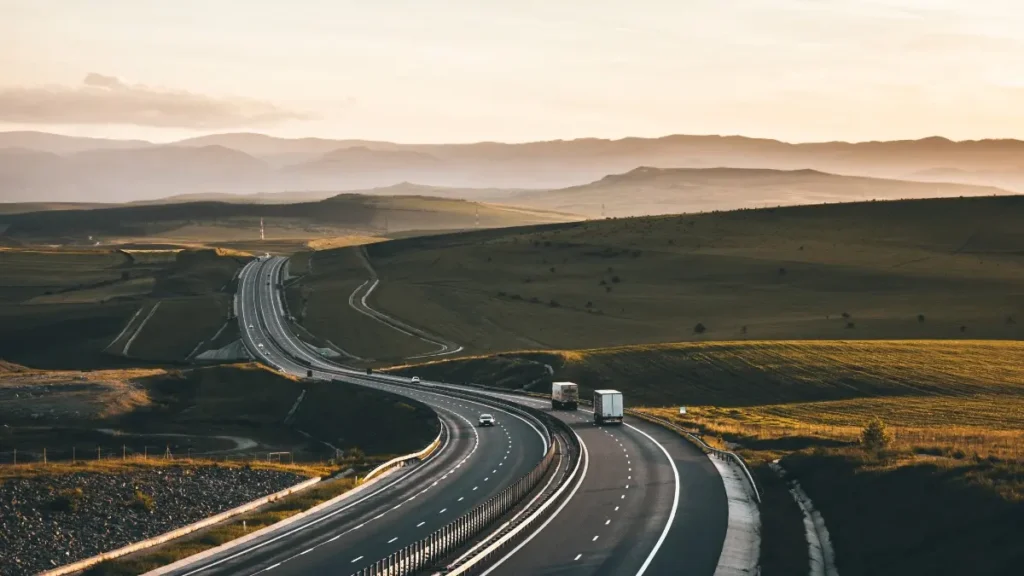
648, 503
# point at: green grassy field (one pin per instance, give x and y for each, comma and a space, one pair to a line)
62, 308
948, 490
948, 268
321, 303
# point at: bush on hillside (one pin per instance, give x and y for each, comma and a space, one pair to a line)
699, 328
875, 437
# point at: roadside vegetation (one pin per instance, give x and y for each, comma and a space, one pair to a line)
912, 450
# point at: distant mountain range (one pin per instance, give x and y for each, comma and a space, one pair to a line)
647, 191
39, 167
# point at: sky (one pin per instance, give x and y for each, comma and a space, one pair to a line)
514, 71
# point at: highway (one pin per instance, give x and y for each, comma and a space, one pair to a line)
648, 503
472, 465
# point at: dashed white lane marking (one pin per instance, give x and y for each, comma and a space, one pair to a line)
475, 487
607, 522
616, 508
443, 510
623, 497
392, 540
486, 479
354, 560
335, 538
578, 556
461, 498
595, 538
422, 523
274, 566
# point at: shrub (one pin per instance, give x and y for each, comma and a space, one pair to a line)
782, 271
68, 500
589, 304
875, 437
743, 330
615, 280
699, 328
920, 318
963, 328
355, 453
554, 303
850, 325
142, 502
501, 294
1010, 320
535, 300
846, 315
552, 269
607, 288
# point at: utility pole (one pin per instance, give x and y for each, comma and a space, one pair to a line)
602, 210
477, 217
262, 236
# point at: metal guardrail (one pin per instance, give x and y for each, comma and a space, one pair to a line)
428, 553
724, 454
402, 460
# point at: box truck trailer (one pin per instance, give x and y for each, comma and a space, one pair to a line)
607, 406
564, 396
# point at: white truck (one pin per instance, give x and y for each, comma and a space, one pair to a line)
607, 406
564, 395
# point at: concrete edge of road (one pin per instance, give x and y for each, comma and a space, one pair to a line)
741, 549
179, 532
185, 562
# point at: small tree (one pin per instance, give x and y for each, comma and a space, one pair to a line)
875, 436
699, 328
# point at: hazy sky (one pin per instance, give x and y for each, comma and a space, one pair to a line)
514, 70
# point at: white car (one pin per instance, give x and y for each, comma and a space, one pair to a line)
486, 420
415, 380
250, 325
260, 344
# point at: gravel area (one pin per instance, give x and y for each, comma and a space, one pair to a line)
50, 521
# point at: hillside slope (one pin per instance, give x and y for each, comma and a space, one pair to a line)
339, 215
649, 191
947, 268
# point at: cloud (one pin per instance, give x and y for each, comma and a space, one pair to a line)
108, 100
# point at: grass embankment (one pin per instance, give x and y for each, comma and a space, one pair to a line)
320, 302
925, 269
944, 498
62, 308
230, 411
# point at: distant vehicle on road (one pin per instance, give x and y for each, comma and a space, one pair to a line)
607, 406
486, 420
250, 325
564, 395
415, 380
260, 344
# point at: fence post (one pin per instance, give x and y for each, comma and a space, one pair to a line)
97, 452
44, 455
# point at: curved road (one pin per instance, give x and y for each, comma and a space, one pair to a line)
648, 503
472, 465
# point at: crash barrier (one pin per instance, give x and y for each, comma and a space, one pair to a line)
403, 460
428, 555
711, 451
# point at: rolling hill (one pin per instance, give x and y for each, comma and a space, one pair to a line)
920, 269
343, 214
649, 191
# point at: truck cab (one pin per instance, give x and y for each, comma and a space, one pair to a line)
607, 407
564, 396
